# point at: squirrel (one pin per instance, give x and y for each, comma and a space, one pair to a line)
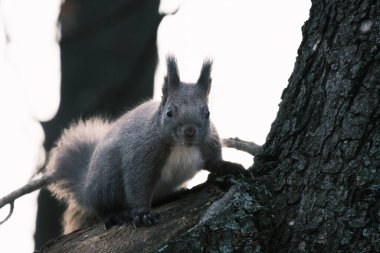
112, 172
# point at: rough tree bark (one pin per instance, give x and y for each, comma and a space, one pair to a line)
317, 178
321, 159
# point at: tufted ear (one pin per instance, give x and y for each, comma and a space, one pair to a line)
171, 81
204, 81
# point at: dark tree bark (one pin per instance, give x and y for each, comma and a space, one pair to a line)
321, 159
317, 178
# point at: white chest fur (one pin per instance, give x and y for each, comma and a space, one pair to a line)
181, 165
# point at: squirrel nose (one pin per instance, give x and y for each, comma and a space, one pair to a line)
190, 131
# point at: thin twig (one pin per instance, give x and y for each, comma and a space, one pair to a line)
10, 212
246, 146
28, 188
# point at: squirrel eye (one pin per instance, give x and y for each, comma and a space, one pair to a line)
207, 114
169, 113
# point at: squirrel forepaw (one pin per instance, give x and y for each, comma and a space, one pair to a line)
222, 168
145, 217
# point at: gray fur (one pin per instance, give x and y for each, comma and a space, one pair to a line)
113, 170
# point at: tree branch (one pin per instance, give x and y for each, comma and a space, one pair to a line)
28, 188
246, 146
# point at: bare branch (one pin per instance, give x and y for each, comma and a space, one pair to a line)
12, 204
246, 146
28, 188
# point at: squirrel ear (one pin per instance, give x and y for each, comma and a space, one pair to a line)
204, 80
171, 80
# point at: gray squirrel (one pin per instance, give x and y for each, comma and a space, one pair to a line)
113, 172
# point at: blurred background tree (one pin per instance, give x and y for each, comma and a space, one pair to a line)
108, 61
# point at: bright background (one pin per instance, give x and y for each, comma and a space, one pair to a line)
253, 45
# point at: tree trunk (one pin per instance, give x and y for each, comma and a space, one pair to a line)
317, 178
321, 160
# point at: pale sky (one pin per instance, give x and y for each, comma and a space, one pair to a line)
253, 44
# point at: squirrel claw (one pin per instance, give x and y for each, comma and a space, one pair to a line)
226, 168
147, 219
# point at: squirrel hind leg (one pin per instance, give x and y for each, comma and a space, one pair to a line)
76, 218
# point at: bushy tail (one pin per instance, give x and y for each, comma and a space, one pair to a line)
67, 164
68, 161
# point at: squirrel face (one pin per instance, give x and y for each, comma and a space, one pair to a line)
185, 116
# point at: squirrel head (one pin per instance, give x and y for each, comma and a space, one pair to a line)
184, 112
